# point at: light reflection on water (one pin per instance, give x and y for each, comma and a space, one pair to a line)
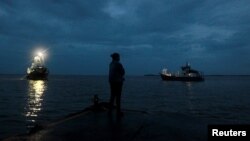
36, 89
190, 97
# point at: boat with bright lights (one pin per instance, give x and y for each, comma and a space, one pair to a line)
37, 70
187, 74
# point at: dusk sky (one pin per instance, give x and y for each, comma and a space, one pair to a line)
80, 35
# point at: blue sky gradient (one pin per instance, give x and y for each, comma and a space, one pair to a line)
79, 36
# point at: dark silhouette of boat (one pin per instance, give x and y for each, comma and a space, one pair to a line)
37, 71
187, 74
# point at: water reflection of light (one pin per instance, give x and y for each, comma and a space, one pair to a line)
36, 90
190, 97
189, 85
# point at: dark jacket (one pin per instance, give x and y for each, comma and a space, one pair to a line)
116, 72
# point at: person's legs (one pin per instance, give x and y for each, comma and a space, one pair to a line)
112, 94
118, 103
118, 97
116, 90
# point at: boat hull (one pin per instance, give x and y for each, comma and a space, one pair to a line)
38, 74
181, 78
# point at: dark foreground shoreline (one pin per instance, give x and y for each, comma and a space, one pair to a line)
95, 123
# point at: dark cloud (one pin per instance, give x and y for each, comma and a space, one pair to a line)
149, 34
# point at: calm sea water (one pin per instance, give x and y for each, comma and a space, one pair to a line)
24, 103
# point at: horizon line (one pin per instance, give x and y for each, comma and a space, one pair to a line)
126, 75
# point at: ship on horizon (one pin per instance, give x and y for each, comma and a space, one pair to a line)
186, 74
37, 70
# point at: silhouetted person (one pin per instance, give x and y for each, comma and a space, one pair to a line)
116, 78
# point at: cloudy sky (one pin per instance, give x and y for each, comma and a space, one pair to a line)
80, 35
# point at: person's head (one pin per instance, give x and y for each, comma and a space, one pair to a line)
115, 56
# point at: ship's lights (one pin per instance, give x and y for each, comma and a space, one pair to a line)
40, 54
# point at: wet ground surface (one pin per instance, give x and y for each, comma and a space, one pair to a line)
98, 124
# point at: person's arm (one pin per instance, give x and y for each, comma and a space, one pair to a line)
122, 70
